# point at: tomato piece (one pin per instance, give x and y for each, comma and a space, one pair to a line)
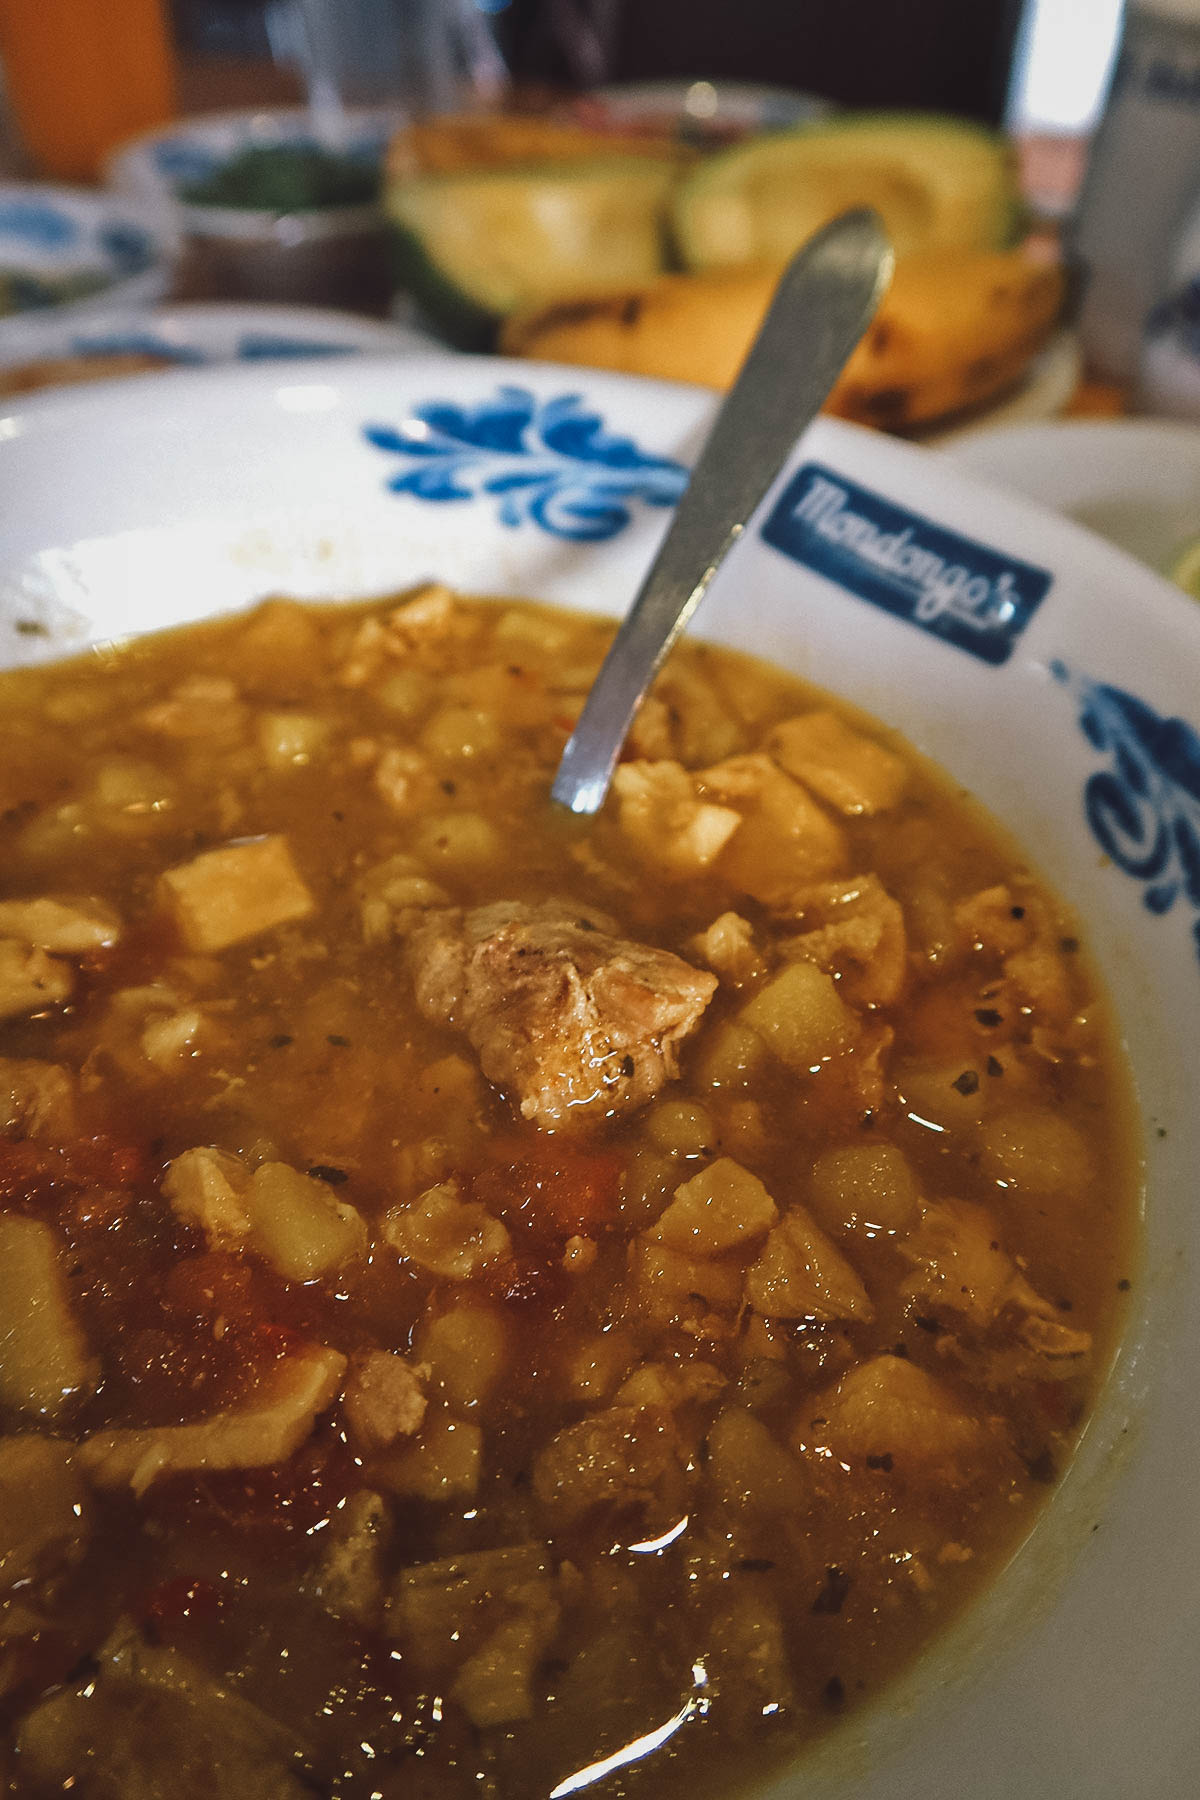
183, 1597
543, 1186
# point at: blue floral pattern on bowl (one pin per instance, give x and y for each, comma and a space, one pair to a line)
39, 224
1144, 810
551, 462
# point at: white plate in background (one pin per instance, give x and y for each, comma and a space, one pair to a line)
1136, 482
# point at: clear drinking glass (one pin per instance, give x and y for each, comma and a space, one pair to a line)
422, 56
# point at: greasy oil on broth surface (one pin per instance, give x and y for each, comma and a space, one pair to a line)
697, 1468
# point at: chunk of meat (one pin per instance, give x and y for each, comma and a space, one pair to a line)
349, 1579
384, 1399
786, 840
565, 1016
30, 980
257, 1434
849, 771
728, 947
424, 630
627, 1457
37, 1099
148, 1724
671, 827
43, 1508
855, 931
64, 927
482, 1621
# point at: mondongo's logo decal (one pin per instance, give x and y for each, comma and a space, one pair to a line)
948, 585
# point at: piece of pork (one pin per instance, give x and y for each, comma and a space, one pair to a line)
565, 1016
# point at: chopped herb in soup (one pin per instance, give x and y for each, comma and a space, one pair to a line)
286, 178
495, 1304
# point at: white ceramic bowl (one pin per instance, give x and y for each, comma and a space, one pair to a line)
1051, 674
333, 255
49, 236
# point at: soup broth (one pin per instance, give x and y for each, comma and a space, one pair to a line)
499, 1304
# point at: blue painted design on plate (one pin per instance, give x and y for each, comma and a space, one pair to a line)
127, 247
951, 586
548, 461
135, 343
39, 224
1144, 809
266, 346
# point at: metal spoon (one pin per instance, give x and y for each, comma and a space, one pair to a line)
822, 306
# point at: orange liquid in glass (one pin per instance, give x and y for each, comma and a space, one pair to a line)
82, 76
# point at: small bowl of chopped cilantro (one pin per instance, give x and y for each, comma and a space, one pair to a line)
269, 206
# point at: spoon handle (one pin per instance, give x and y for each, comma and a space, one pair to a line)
822, 306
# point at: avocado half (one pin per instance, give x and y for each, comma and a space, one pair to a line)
937, 182
474, 247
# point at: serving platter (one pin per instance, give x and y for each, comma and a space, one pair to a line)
1051, 674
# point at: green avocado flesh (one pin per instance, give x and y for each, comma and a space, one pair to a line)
937, 183
473, 248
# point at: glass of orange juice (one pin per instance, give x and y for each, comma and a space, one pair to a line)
82, 77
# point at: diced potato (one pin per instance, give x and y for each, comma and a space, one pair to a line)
850, 771
407, 693
866, 1188
44, 1358
947, 1095
681, 1128
671, 1282
384, 1399
729, 1055
290, 740
461, 732
802, 1017
459, 840
63, 927
258, 1433
466, 1350
661, 814
225, 896
668, 1386
723, 1207
30, 980
748, 1466
801, 1274
903, 1419
494, 1685
594, 1365
37, 1099
1037, 1151
43, 1508
785, 841
443, 1464
299, 1226
621, 1457
446, 1234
